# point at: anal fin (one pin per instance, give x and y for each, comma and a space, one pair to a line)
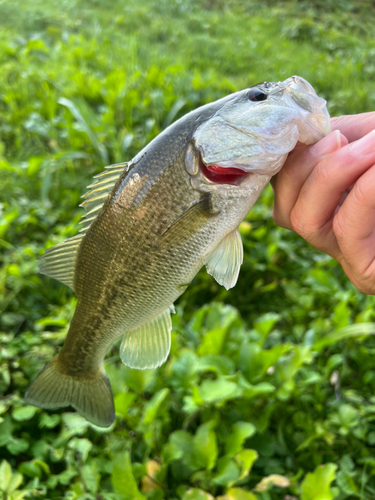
148, 346
225, 261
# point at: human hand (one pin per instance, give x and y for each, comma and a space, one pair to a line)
326, 194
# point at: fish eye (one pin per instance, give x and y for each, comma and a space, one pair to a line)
257, 95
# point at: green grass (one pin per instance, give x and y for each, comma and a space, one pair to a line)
275, 376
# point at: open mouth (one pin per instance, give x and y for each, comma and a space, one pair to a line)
221, 175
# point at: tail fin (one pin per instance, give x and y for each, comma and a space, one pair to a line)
91, 397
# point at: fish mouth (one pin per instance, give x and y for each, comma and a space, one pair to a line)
316, 123
222, 175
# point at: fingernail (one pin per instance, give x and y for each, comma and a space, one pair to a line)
364, 146
328, 145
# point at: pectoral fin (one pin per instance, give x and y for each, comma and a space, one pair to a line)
190, 221
225, 261
148, 346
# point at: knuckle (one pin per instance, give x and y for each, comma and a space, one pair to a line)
303, 224
338, 227
278, 218
365, 284
298, 223
322, 174
360, 192
337, 120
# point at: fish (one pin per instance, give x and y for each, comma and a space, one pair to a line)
152, 223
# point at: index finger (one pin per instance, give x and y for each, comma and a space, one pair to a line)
354, 224
354, 126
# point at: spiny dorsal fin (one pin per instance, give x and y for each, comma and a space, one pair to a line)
98, 192
59, 261
148, 346
225, 261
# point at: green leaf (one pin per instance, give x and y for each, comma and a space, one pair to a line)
349, 416
347, 464
123, 401
184, 370
264, 324
237, 494
15, 481
196, 494
212, 342
76, 112
198, 452
5, 475
240, 432
180, 445
206, 446
76, 424
123, 481
341, 315
16, 446
24, 413
300, 355
316, 485
227, 471
219, 390
82, 446
30, 469
153, 406
67, 475
351, 331
222, 365
194, 402
183, 441
254, 362
6, 428
49, 421
251, 391
245, 460
91, 476
346, 483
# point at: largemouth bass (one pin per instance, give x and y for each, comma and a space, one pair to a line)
153, 222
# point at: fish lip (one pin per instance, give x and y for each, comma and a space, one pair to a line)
302, 95
313, 108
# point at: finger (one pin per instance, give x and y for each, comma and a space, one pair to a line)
311, 217
299, 165
354, 126
354, 225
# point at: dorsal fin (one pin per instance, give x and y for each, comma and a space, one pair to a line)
59, 261
98, 192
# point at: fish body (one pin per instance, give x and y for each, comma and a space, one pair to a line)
152, 223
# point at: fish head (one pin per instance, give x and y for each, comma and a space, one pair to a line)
252, 131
